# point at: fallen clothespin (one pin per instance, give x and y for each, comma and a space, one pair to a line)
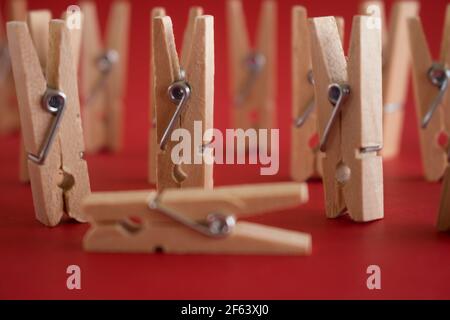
253, 70
431, 80
194, 221
184, 97
50, 122
396, 67
103, 75
305, 155
16, 10
349, 101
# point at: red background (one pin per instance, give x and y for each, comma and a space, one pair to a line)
414, 258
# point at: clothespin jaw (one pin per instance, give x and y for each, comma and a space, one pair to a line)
184, 97
305, 155
74, 20
194, 221
38, 21
9, 120
103, 72
253, 71
50, 122
348, 96
153, 141
430, 86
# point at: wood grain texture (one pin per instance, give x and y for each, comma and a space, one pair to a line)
113, 231
434, 157
61, 182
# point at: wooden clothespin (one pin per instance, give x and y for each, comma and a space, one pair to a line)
103, 75
432, 98
349, 101
51, 123
194, 221
305, 155
194, 12
184, 97
16, 10
253, 70
444, 209
38, 21
396, 67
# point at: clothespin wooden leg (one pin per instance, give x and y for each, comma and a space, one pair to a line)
153, 141
173, 221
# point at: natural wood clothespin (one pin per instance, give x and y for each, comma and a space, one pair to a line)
194, 12
396, 67
432, 98
444, 209
253, 70
349, 100
16, 10
103, 75
305, 155
194, 221
50, 122
183, 95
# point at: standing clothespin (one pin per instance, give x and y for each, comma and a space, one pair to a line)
194, 221
103, 75
253, 70
184, 99
194, 12
349, 102
396, 67
305, 155
431, 80
444, 209
51, 122
16, 10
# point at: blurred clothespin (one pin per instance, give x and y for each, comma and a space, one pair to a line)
16, 10
349, 100
253, 70
194, 220
305, 155
50, 122
431, 80
396, 66
184, 97
444, 209
103, 75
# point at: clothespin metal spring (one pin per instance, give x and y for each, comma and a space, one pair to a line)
300, 121
54, 101
255, 63
217, 225
337, 94
439, 76
105, 64
179, 93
